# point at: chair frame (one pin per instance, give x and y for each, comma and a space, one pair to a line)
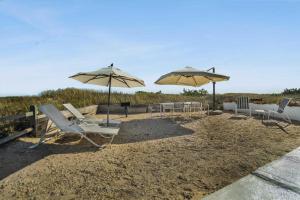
280, 110
82, 119
70, 127
243, 101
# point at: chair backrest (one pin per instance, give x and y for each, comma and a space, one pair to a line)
74, 111
59, 119
178, 105
196, 104
243, 102
282, 104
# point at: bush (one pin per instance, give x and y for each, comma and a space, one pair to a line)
291, 91
195, 93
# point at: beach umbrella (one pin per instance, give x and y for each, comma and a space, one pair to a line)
110, 77
190, 76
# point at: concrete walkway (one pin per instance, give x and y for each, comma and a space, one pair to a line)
279, 179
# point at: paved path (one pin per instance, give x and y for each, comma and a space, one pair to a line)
279, 179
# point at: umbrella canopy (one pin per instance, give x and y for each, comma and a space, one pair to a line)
110, 77
190, 76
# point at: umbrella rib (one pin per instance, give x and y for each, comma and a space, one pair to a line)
129, 79
194, 80
179, 79
126, 78
126, 83
87, 74
208, 78
95, 77
122, 81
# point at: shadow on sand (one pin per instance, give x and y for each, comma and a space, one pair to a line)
150, 129
16, 155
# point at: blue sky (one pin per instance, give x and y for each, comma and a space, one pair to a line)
43, 42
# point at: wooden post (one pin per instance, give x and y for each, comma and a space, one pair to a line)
33, 119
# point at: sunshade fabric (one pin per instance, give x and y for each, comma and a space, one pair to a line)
190, 76
102, 76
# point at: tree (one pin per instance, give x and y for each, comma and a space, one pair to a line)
291, 91
201, 92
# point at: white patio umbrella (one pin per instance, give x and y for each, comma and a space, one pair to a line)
190, 76
109, 77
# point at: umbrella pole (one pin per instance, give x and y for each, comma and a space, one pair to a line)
108, 103
214, 89
214, 92
214, 95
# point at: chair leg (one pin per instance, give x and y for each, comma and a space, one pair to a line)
41, 141
111, 140
91, 141
287, 118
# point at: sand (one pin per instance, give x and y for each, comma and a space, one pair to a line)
152, 158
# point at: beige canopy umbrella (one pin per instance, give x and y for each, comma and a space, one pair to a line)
190, 76
110, 77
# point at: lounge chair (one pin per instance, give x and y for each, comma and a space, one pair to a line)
66, 126
243, 105
83, 119
280, 111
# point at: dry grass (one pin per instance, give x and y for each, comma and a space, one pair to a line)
81, 98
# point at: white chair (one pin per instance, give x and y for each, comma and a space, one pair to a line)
166, 107
66, 126
153, 108
243, 105
280, 111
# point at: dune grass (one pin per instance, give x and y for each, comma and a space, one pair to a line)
81, 98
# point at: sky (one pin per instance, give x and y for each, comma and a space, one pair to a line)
254, 42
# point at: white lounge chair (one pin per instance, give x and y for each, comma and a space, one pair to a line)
279, 112
83, 119
243, 105
66, 126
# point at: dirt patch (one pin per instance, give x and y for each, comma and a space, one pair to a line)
150, 159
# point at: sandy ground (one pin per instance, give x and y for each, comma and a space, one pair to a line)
150, 159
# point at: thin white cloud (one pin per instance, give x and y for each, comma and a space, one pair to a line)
37, 17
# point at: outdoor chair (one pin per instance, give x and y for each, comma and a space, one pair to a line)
153, 108
196, 106
279, 112
164, 107
205, 106
83, 119
178, 106
68, 127
243, 104
187, 107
